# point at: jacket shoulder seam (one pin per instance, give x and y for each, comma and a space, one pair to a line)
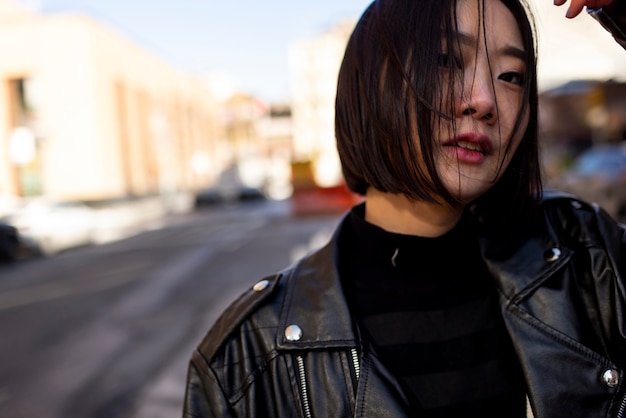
234, 315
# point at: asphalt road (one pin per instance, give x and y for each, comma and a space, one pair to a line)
106, 331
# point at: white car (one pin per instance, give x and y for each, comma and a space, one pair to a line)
49, 226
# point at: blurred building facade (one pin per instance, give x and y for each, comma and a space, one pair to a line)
314, 67
577, 115
584, 112
87, 115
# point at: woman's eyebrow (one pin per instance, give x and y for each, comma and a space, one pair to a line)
508, 49
512, 51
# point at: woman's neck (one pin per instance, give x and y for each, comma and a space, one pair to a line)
395, 213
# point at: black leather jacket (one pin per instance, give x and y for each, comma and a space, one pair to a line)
289, 348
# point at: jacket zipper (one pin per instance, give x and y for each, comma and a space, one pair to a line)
622, 408
303, 387
355, 361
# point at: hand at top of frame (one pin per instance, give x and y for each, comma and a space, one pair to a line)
577, 6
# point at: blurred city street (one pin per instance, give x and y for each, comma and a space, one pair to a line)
107, 330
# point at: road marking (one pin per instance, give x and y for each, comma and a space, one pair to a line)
63, 288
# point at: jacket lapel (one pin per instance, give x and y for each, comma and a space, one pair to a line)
315, 302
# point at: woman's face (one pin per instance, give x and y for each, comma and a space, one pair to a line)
489, 89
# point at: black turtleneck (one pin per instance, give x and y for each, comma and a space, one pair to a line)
428, 308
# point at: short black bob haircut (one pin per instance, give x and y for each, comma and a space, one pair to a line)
386, 107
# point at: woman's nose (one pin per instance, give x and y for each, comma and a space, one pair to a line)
478, 101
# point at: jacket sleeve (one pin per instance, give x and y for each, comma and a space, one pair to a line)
613, 19
204, 397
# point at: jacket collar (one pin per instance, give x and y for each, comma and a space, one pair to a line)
315, 302
520, 273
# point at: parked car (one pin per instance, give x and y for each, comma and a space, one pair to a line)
9, 242
599, 175
228, 188
48, 226
214, 196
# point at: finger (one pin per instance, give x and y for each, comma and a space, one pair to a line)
559, 2
575, 7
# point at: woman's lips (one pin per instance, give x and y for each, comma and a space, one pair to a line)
469, 148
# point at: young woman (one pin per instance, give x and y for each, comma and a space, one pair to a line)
456, 288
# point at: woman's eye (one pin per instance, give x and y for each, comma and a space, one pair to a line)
513, 77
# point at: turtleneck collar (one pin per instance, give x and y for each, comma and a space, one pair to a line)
376, 247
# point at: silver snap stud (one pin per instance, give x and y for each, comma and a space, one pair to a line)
293, 333
260, 285
552, 254
576, 204
610, 377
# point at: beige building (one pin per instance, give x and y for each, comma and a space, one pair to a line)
314, 67
85, 114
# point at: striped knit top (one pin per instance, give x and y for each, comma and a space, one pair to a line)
429, 310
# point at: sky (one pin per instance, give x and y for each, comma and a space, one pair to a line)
247, 41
